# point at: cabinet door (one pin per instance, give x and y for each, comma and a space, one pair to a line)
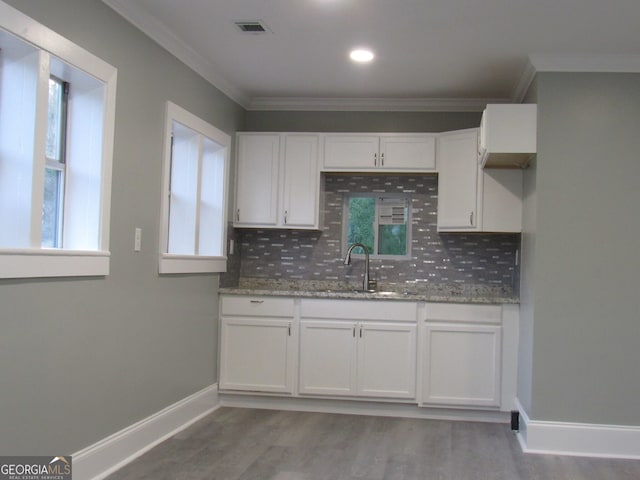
257, 179
327, 357
386, 360
351, 152
458, 186
301, 181
256, 354
408, 152
461, 365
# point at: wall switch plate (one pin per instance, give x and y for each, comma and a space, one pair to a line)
137, 242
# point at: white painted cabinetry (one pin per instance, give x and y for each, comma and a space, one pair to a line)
278, 181
508, 135
357, 348
471, 199
458, 183
462, 355
257, 175
429, 354
379, 152
257, 344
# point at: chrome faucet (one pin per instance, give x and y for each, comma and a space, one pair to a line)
367, 284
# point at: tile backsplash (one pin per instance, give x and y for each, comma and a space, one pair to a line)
436, 258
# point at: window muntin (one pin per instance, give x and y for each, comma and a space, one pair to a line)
195, 191
379, 221
54, 185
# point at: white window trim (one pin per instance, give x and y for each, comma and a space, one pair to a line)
172, 263
41, 262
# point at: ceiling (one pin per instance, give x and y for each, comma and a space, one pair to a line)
430, 54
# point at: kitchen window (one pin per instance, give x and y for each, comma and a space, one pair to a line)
194, 206
379, 221
57, 110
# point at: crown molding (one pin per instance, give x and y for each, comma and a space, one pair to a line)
161, 34
527, 76
373, 104
585, 62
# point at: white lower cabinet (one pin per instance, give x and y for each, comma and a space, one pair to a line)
357, 358
327, 358
462, 356
358, 348
432, 354
257, 344
387, 360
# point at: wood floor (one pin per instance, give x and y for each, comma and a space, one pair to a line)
243, 444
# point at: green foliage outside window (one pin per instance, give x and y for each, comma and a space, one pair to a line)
391, 239
362, 214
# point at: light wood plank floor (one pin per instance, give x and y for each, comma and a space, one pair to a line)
243, 444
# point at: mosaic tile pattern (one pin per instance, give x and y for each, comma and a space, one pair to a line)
436, 258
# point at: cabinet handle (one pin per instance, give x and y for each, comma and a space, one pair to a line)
360, 331
354, 331
471, 219
375, 159
382, 159
256, 301
238, 215
285, 217
289, 329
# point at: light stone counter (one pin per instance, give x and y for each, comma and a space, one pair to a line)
415, 292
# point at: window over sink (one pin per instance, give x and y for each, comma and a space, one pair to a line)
379, 221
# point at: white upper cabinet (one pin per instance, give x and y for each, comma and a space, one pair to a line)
278, 181
471, 199
301, 181
508, 135
257, 180
344, 152
379, 152
458, 186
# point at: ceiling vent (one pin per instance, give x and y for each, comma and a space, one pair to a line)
255, 26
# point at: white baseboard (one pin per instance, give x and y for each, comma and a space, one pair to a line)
578, 439
97, 461
360, 407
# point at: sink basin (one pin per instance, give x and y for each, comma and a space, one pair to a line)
377, 293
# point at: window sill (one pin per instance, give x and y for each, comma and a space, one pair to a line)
43, 263
171, 263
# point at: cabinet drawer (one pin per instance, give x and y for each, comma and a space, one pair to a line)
257, 306
359, 309
458, 312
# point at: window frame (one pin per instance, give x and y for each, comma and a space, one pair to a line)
172, 263
34, 261
59, 165
376, 196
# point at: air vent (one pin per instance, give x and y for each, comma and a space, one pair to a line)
252, 27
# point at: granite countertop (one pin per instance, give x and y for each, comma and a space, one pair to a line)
415, 292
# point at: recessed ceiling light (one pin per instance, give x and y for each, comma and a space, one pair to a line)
361, 55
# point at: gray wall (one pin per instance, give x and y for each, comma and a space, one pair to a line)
83, 358
527, 267
585, 263
360, 121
